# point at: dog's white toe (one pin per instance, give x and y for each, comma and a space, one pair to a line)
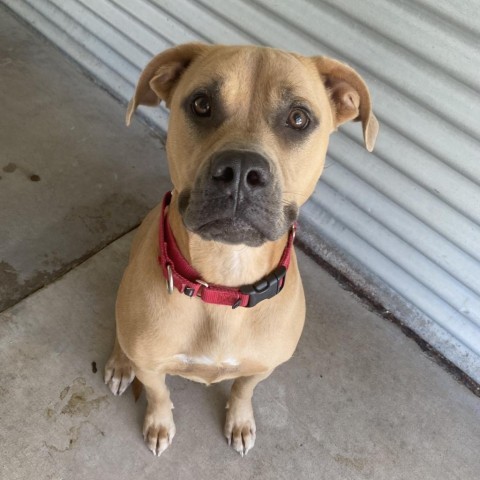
119, 374
240, 429
158, 434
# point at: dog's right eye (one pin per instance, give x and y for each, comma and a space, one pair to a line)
298, 119
201, 106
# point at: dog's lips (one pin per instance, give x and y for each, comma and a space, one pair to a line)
240, 230
251, 222
222, 220
231, 230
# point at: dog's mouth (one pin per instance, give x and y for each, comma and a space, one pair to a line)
221, 219
237, 199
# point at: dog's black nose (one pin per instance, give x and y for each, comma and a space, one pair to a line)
240, 172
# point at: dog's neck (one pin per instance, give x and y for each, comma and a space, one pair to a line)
221, 263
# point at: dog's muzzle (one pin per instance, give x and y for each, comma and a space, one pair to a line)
237, 199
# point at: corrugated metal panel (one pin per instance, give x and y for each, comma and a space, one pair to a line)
404, 221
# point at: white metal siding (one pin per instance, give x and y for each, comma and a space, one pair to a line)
403, 221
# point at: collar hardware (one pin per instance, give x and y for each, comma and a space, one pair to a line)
265, 288
169, 280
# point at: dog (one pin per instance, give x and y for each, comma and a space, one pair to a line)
212, 290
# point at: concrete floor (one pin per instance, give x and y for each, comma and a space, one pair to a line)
73, 177
358, 400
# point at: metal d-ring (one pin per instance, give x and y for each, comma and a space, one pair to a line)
204, 285
169, 280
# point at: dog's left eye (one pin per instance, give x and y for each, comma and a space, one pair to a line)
298, 119
201, 106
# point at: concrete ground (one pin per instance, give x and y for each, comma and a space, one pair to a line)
73, 177
358, 400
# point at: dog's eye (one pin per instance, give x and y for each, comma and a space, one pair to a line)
201, 106
298, 119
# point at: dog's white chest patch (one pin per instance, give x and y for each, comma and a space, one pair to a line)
204, 360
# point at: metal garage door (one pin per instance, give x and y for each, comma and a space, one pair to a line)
402, 222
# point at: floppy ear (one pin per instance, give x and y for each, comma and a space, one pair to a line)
349, 97
161, 75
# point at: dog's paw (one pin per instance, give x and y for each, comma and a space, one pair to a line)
240, 426
158, 431
119, 373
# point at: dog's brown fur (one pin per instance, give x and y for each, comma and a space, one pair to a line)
160, 334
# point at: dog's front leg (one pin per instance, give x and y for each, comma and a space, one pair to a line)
240, 428
158, 426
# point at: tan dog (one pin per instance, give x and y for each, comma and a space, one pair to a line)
248, 134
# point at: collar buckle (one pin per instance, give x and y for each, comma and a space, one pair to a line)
265, 288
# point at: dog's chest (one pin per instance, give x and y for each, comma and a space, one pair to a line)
207, 369
223, 343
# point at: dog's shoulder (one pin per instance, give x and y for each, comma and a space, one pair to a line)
145, 239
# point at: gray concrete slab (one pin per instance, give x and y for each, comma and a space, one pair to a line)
357, 401
73, 177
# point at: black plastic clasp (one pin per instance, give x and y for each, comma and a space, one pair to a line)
265, 288
189, 292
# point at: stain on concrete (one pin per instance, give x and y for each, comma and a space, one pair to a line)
357, 463
3, 392
10, 168
8, 279
5, 62
101, 219
74, 436
74, 433
12, 290
64, 392
94, 367
80, 403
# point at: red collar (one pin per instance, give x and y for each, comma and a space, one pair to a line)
181, 275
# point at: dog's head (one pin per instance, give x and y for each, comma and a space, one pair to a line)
248, 132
